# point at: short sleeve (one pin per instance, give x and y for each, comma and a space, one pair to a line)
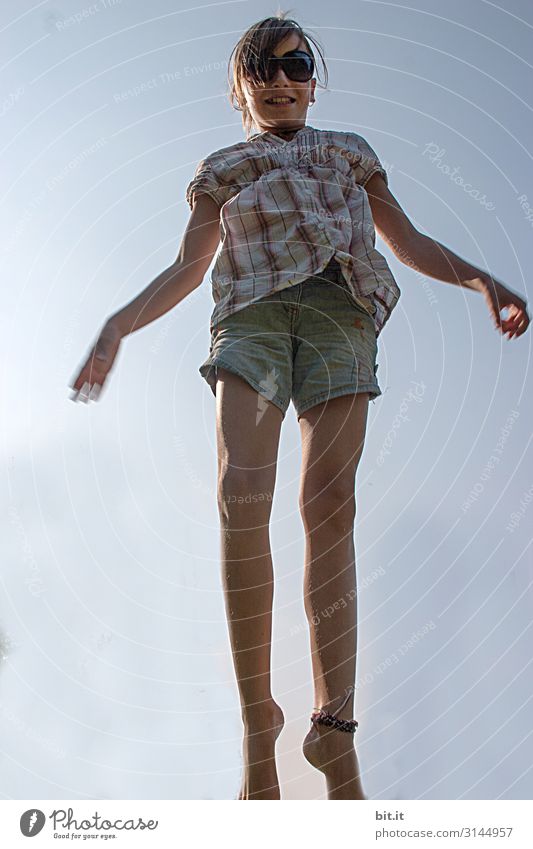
204, 182
368, 163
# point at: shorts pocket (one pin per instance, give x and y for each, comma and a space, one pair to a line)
353, 303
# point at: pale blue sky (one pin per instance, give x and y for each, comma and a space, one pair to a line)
117, 678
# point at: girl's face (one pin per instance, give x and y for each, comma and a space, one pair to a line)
271, 116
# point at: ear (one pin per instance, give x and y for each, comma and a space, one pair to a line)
312, 92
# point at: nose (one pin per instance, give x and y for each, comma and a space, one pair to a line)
280, 77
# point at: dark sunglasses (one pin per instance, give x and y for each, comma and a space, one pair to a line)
298, 65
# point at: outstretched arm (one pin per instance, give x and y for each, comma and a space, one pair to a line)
198, 245
196, 251
430, 257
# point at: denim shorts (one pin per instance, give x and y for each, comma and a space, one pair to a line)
308, 342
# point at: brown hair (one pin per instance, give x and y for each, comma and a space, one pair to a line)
259, 40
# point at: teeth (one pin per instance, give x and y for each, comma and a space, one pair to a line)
279, 100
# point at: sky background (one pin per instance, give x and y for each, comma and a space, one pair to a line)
116, 679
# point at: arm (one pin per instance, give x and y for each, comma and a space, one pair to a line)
186, 273
432, 258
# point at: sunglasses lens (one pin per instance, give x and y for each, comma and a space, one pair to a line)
298, 68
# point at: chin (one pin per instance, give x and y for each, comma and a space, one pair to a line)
287, 118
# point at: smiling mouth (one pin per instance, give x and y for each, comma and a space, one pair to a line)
284, 100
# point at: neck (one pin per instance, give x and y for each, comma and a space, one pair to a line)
282, 131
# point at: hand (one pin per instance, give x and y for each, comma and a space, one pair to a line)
498, 297
92, 376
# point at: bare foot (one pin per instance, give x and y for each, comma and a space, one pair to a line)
260, 776
332, 752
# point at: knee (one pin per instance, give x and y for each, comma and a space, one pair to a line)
330, 504
244, 498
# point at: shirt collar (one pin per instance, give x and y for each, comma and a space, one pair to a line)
285, 141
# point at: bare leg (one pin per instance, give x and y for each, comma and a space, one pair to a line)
332, 440
247, 457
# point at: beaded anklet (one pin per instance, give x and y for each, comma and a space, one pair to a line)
323, 717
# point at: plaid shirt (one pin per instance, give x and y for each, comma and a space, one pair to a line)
286, 209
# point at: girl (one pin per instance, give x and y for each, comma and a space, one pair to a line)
301, 295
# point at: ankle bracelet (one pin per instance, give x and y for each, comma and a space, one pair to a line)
324, 717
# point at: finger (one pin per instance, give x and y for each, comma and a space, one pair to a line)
514, 331
84, 392
516, 320
77, 385
76, 379
95, 392
522, 327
